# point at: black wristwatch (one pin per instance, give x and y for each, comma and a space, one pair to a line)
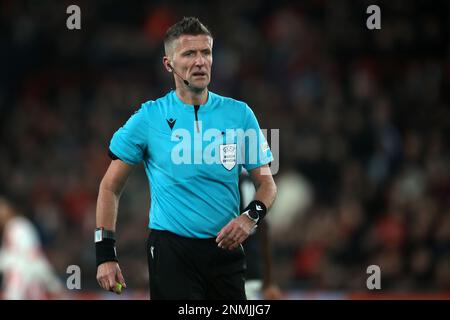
252, 215
255, 211
102, 233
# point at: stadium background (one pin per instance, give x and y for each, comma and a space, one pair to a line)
363, 116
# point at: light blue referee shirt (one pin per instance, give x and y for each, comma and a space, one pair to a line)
193, 156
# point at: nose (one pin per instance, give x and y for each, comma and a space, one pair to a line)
199, 61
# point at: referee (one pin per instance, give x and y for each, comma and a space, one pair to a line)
193, 153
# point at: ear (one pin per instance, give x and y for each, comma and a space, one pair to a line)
166, 63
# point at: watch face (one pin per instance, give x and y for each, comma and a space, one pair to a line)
253, 214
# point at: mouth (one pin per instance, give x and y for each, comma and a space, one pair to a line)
199, 74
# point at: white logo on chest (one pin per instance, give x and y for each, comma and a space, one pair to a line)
228, 155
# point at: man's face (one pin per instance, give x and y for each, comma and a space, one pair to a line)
192, 59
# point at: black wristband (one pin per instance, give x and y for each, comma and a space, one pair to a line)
105, 250
257, 207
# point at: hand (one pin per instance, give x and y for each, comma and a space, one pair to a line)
271, 292
108, 273
235, 232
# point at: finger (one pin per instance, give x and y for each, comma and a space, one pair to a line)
120, 279
232, 246
222, 233
225, 243
232, 238
111, 283
101, 282
229, 243
226, 240
234, 232
243, 237
104, 284
238, 241
235, 244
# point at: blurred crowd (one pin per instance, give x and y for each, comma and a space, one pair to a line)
363, 118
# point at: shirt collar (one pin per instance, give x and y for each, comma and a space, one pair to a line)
180, 103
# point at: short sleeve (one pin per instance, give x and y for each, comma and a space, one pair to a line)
257, 150
129, 143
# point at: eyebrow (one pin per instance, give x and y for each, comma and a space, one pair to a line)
207, 50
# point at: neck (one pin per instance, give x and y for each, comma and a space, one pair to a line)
192, 98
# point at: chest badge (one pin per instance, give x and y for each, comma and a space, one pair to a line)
228, 155
171, 122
